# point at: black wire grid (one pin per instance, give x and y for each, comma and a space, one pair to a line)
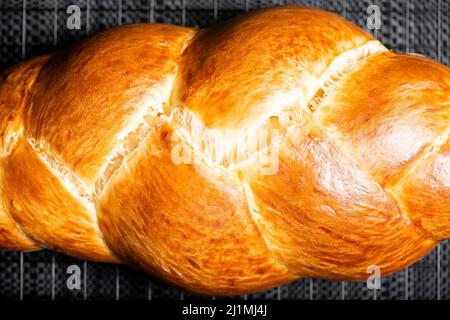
33, 27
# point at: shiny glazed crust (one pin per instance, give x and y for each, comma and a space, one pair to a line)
88, 137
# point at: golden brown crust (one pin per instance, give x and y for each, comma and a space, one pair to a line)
46, 210
101, 84
15, 88
197, 234
395, 105
11, 235
425, 192
88, 135
236, 74
325, 217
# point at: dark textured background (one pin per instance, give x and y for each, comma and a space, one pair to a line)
29, 28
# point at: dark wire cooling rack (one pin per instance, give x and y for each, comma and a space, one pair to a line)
32, 27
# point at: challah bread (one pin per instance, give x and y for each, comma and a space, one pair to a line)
356, 174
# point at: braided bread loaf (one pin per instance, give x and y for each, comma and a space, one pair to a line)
118, 150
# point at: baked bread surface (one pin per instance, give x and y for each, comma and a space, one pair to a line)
356, 171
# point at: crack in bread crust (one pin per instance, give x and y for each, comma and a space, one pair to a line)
140, 126
345, 63
71, 182
65, 175
219, 143
162, 106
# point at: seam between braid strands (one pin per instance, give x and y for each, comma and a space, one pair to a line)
395, 181
74, 185
71, 183
341, 66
